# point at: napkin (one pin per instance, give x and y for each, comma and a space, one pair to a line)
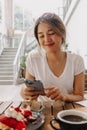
83, 103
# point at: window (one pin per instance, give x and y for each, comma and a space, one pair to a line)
0, 11
22, 16
18, 18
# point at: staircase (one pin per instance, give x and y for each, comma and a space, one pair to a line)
6, 66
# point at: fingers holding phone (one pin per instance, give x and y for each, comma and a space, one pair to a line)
37, 85
33, 90
28, 93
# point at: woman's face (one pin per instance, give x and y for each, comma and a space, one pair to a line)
48, 39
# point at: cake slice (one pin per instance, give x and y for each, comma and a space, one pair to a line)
15, 119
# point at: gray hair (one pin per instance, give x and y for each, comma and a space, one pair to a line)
55, 22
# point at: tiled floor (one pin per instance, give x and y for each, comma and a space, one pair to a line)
10, 92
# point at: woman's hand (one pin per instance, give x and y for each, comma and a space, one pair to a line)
29, 93
54, 93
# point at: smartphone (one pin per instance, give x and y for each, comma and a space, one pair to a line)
37, 84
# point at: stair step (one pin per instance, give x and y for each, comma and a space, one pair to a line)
10, 49
6, 69
8, 77
7, 63
6, 82
6, 73
7, 56
5, 51
6, 59
6, 66
11, 54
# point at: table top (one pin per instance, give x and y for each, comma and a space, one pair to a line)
50, 109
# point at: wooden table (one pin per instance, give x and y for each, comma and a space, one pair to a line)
49, 110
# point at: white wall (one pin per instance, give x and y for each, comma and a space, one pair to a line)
77, 30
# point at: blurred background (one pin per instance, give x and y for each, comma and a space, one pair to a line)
17, 18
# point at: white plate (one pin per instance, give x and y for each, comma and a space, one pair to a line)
38, 123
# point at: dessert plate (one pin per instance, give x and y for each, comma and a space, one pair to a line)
34, 125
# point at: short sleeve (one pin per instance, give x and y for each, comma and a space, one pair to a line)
79, 65
29, 64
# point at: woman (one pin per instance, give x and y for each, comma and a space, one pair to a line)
62, 73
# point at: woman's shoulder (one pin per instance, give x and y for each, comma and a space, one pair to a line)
74, 56
35, 54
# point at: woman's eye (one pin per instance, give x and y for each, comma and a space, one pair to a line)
49, 34
41, 36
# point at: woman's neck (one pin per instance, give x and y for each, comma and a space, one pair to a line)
55, 56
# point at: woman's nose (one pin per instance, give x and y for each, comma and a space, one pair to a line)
47, 38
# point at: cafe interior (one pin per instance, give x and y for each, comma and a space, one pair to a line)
17, 41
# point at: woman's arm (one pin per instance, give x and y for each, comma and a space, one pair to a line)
78, 91
28, 92
28, 75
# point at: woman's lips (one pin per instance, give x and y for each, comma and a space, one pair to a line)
50, 44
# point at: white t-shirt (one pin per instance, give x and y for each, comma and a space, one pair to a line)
39, 68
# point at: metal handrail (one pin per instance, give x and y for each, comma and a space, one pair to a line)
66, 7
19, 54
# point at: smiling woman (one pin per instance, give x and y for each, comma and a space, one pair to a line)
61, 73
